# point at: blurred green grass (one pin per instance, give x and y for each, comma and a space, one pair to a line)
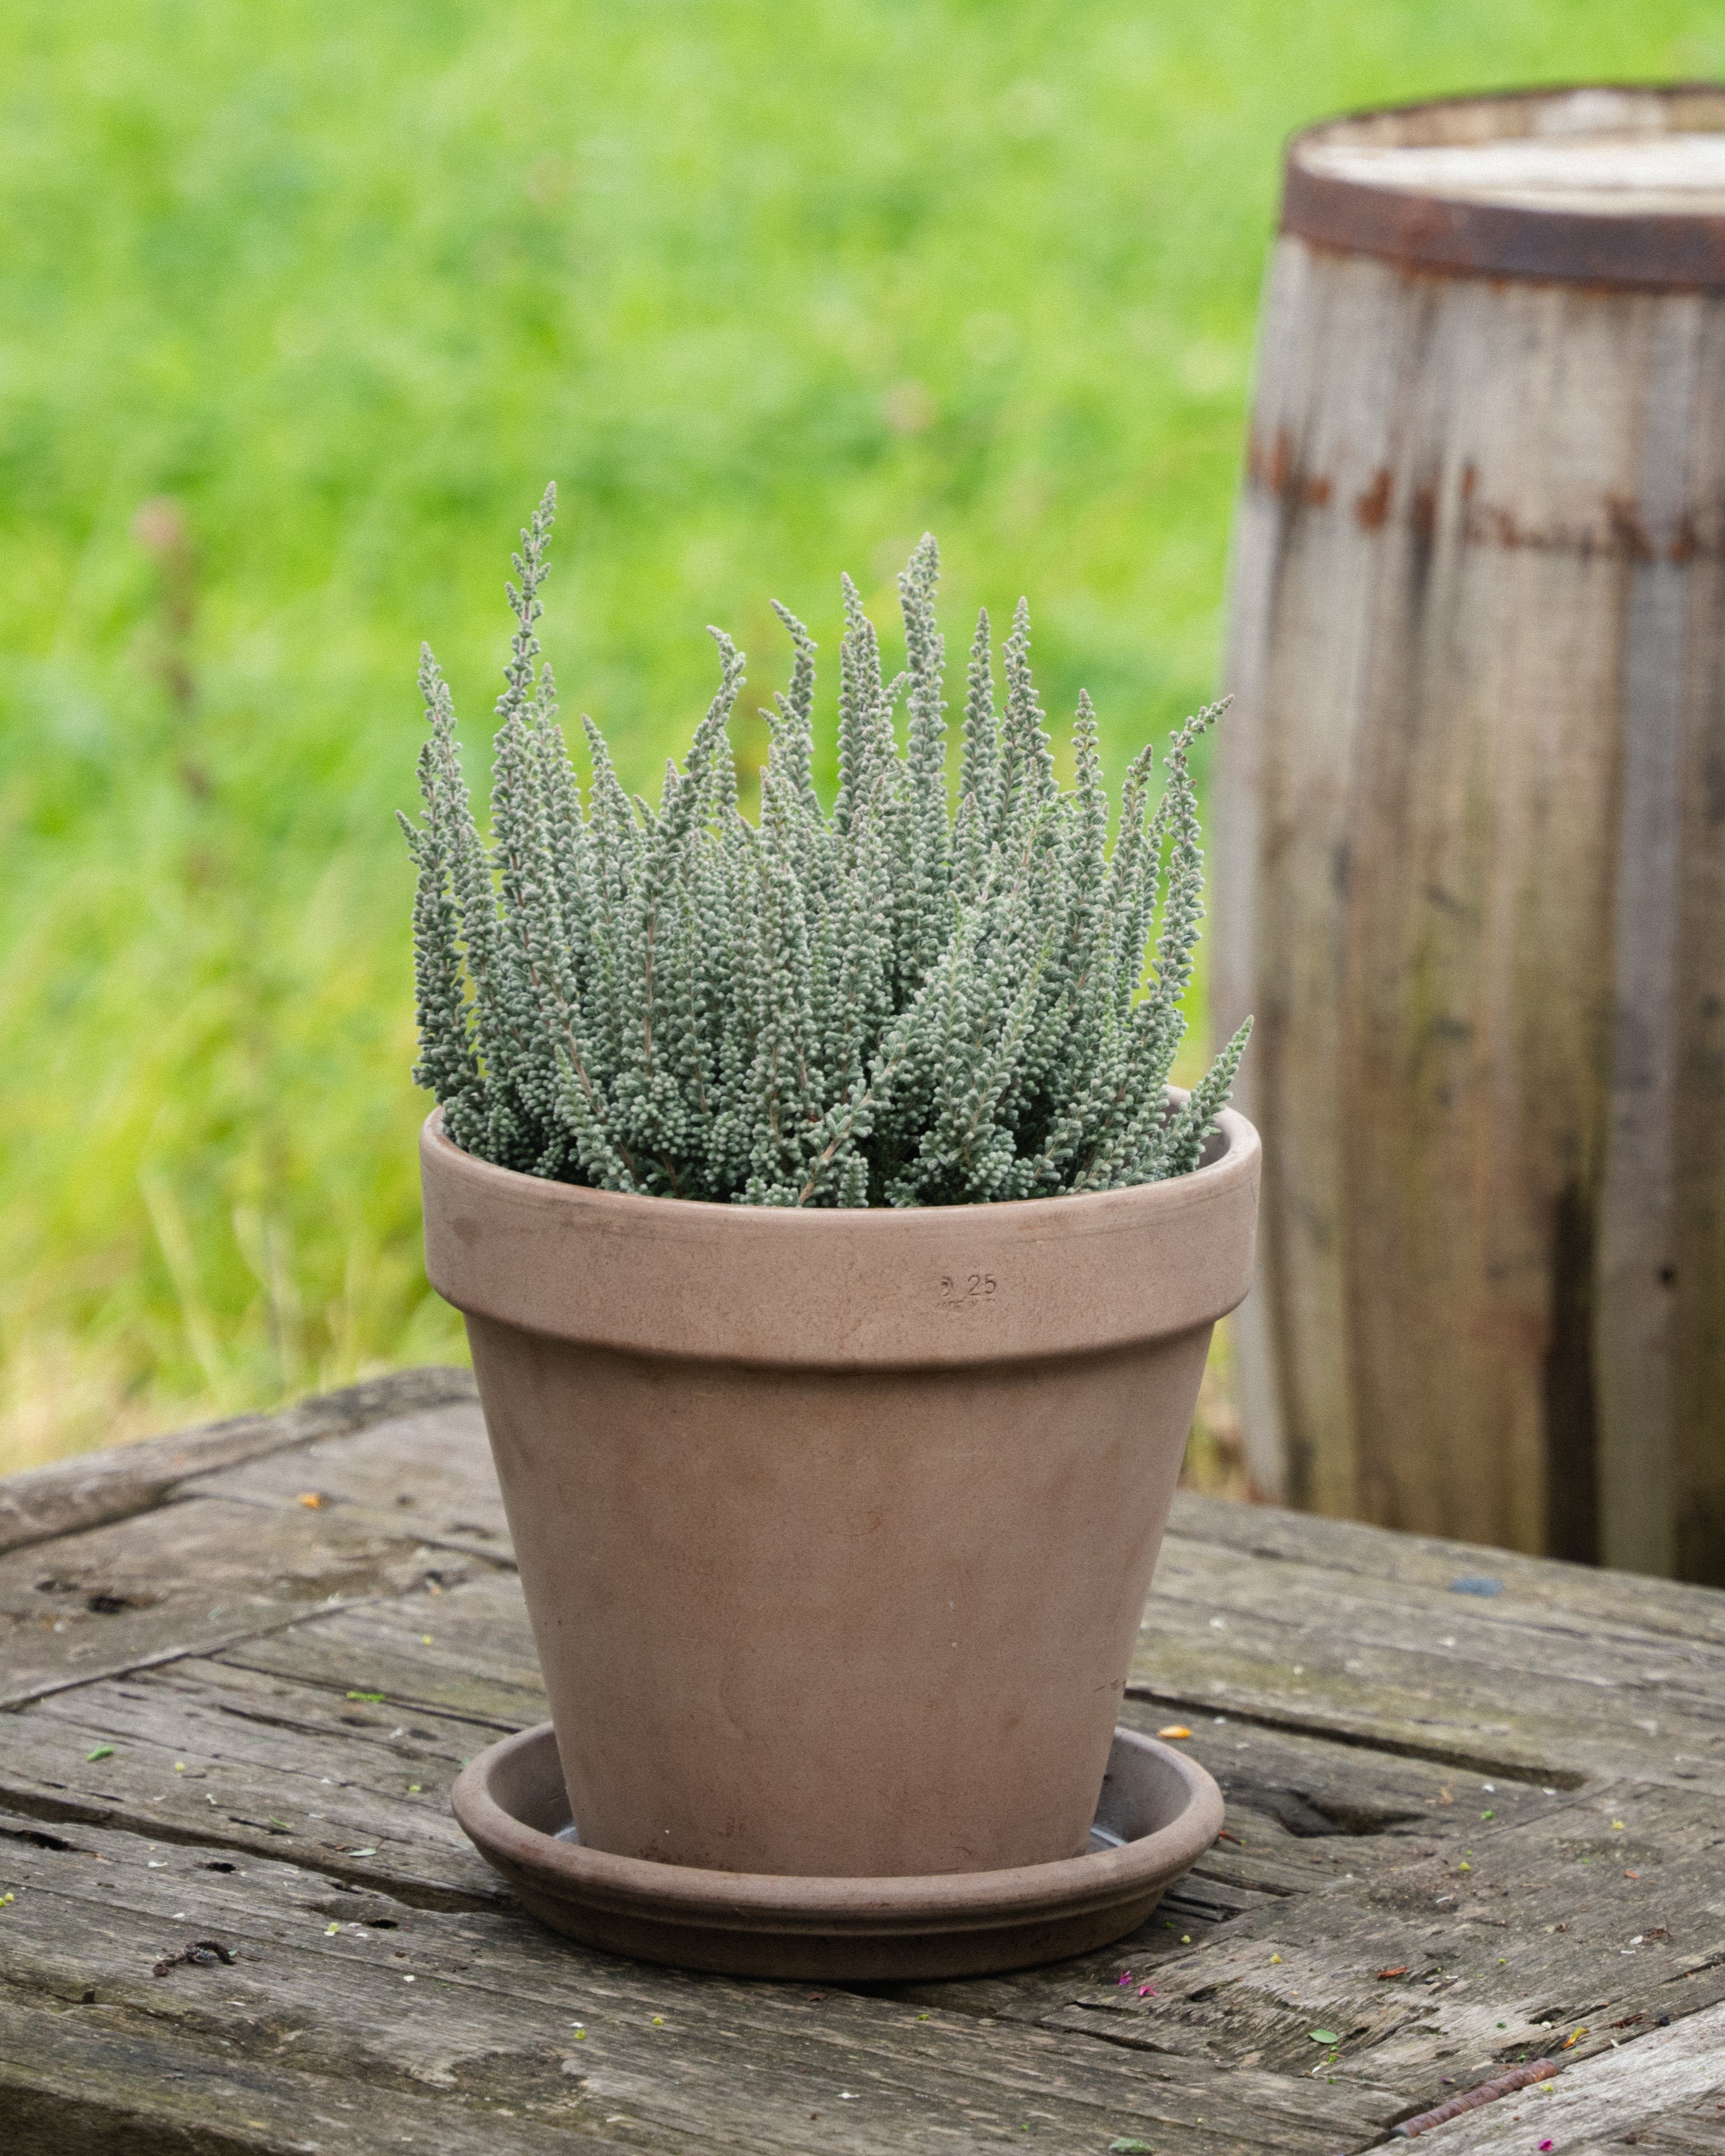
767, 290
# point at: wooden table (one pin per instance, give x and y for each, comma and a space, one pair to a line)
1475, 1814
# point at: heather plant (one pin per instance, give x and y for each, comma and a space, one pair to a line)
891, 1001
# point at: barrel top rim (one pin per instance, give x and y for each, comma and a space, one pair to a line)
1654, 249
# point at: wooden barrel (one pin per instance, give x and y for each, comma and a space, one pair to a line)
1470, 829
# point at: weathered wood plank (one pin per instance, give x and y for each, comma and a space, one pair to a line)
1417, 1668
429, 1473
481, 1664
277, 1757
1697, 2130
494, 2003
233, 1762
1607, 1600
91, 2080
1303, 1810
1651, 2094
1597, 1914
268, 1909
185, 1579
91, 1489
1292, 1648
240, 1761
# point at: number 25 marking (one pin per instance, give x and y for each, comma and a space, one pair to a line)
967, 1287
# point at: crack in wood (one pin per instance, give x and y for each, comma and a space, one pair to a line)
1442, 1755
309, 1856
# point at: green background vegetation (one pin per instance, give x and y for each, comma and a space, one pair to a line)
767, 289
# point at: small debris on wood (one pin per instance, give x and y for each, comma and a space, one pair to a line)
1476, 1583
198, 1952
312, 1499
101, 1752
1175, 1729
1385, 1974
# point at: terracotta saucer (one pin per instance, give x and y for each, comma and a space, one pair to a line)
1158, 1813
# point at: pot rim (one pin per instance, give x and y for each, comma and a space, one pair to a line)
1236, 1159
878, 1287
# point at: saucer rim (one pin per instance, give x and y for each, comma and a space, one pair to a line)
752, 1901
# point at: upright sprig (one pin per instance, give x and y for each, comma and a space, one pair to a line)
899, 1002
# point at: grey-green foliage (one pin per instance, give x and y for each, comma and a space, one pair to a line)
889, 1004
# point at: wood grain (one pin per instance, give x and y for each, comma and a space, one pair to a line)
91, 1489
1472, 878
1673, 2079
490, 2015
188, 1577
427, 1473
1387, 1749
1441, 1676
1489, 1977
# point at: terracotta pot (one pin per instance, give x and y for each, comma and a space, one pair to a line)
835, 1528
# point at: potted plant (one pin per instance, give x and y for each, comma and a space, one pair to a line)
839, 1266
